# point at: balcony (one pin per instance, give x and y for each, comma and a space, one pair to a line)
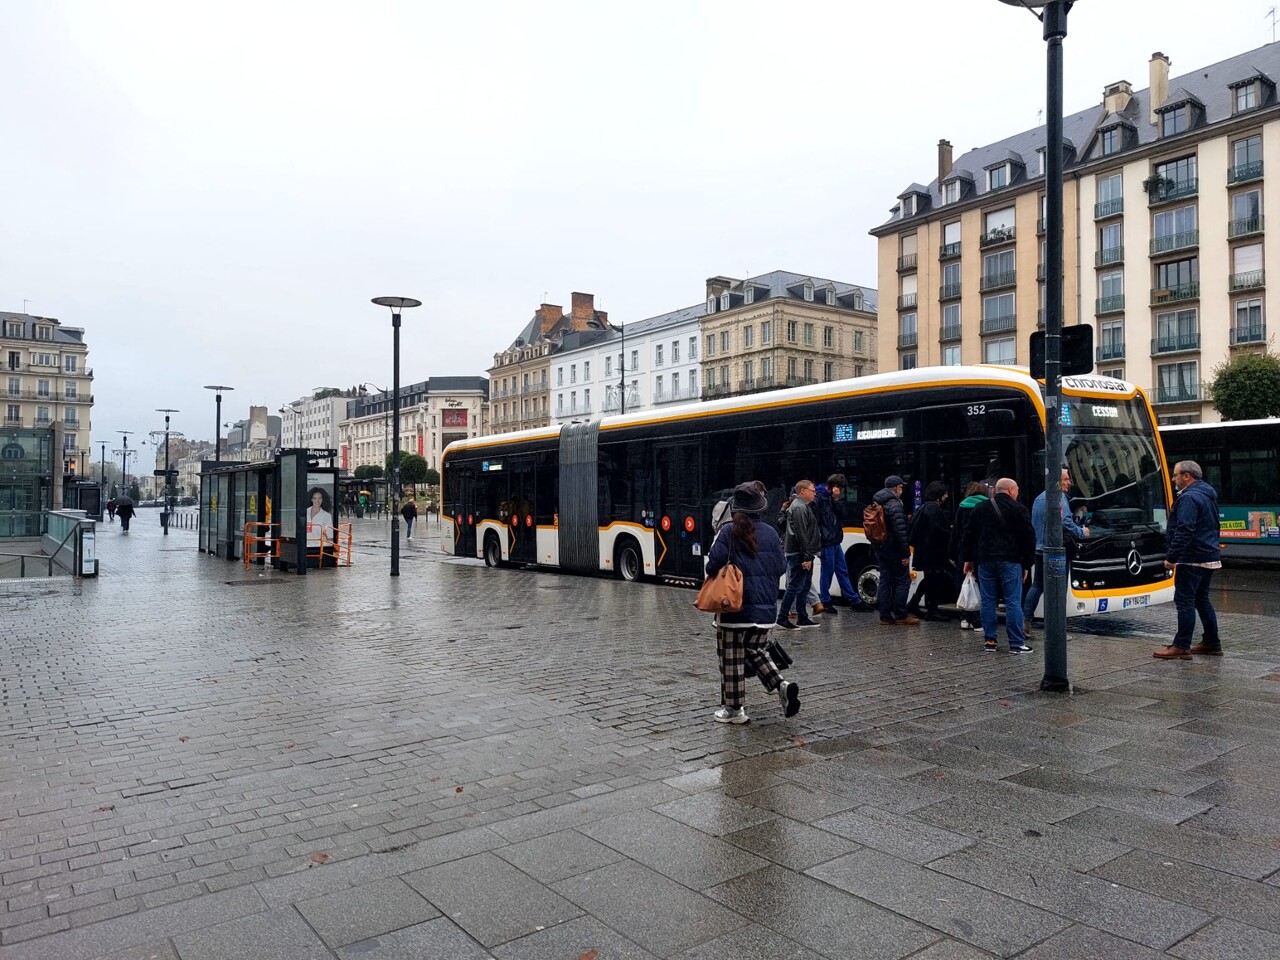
949, 332
1164, 190
1039, 271
999, 324
997, 281
1244, 226
12, 421
1247, 333
1175, 241
949, 291
1186, 291
713, 390
1244, 172
1108, 208
757, 384
1179, 393
907, 301
1040, 227
1111, 350
1109, 305
688, 393
996, 236
43, 421
1175, 343
794, 381
907, 340
949, 251
907, 262
1253, 280
1109, 255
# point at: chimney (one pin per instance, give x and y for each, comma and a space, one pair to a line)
718, 285
582, 309
1116, 96
548, 315
944, 159
1159, 83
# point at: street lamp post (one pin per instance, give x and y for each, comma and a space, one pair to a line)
124, 458
218, 389
1053, 16
168, 486
396, 304
102, 479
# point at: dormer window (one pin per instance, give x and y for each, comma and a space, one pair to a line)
831, 297
1040, 161
724, 301
908, 206
1246, 97
1176, 120
998, 177
951, 191
750, 295
711, 304
1110, 140
13, 328
808, 292
44, 333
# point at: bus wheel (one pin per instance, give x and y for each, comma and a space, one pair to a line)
628, 561
492, 550
865, 573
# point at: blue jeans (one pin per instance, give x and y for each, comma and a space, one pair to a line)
997, 579
834, 565
895, 581
408, 526
798, 582
1033, 596
1191, 596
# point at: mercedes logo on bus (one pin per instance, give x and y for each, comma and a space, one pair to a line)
1133, 560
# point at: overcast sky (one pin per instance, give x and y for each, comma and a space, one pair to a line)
215, 191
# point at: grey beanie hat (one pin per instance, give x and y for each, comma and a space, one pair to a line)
893, 480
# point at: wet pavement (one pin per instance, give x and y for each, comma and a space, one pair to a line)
200, 761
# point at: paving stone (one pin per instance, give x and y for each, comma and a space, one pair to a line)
971, 759
970, 913
791, 844
952, 950
490, 899
1225, 939
572, 940
797, 801
714, 813
1123, 911
369, 910
651, 911
1086, 943
860, 789
280, 934
151, 951
1045, 805
558, 856
435, 938
903, 837
816, 916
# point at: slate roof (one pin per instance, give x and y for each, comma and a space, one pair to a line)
1209, 86
61, 334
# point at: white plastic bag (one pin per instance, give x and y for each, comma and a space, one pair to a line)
970, 600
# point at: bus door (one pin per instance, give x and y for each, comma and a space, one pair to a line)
465, 511
522, 530
678, 498
957, 463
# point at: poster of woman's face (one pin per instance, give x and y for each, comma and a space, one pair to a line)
320, 518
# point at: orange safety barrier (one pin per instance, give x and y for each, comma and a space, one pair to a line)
256, 533
334, 547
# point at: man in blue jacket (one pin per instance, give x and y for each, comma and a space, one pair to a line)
1069, 525
1194, 553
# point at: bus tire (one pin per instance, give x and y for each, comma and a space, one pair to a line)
865, 573
493, 550
628, 561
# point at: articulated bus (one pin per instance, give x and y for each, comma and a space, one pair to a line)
632, 495
1241, 460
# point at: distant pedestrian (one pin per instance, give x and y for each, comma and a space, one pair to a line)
753, 546
931, 541
111, 509
1069, 526
894, 556
829, 502
974, 494
1194, 553
801, 544
1000, 545
125, 511
410, 513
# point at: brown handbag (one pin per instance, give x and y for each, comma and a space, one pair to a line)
723, 592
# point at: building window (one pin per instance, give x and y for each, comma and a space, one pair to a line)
15, 386
724, 301
828, 336
1111, 189
724, 375
857, 369
69, 416
44, 333
1001, 350
45, 360
907, 329
951, 319
908, 361
793, 330
675, 351
42, 389
1178, 273
657, 355
808, 334
951, 237
951, 355
808, 292
748, 371
1246, 157
1177, 330
1110, 141
1112, 346
951, 191
749, 294
657, 387
998, 177
808, 371
573, 373
711, 304
831, 297
1246, 96
766, 369
69, 443
766, 331
999, 223
693, 349
999, 313
1176, 120
828, 371
608, 366
711, 344
1246, 213
1111, 242
586, 369
1172, 229
1178, 382
998, 267
635, 360
675, 385
1182, 172
1110, 288
858, 342
724, 341
909, 206
1248, 327
559, 377
42, 414
748, 336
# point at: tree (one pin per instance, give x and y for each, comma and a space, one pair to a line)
432, 478
1247, 387
368, 472
413, 468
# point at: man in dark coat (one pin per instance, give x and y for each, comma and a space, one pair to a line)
894, 556
1000, 543
1194, 553
930, 541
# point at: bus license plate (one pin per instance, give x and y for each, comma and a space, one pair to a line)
1142, 601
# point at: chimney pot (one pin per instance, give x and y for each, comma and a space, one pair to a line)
582, 309
944, 159
1159, 83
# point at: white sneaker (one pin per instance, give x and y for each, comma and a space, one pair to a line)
789, 696
729, 715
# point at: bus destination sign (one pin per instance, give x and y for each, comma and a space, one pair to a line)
890, 429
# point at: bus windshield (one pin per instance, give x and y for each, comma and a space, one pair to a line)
1118, 484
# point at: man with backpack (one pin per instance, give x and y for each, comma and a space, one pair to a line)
831, 517
884, 524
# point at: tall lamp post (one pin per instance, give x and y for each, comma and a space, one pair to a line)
396, 304
124, 459
1053, 16
102, 478
218, 389
168, 485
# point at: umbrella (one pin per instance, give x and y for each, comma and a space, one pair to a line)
366, 493
121, 501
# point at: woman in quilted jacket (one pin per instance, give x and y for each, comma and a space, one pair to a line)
753, 546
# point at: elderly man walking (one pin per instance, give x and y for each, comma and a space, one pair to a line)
1002, 544
1194, 552
801, 544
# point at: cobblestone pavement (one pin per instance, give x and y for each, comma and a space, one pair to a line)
200, 761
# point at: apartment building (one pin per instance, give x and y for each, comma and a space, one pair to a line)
1164, 248
312, 422
785, 329
520, 378
433, 413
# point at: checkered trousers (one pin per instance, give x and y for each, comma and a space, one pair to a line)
737, 647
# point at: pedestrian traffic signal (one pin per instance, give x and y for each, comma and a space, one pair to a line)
1075, 352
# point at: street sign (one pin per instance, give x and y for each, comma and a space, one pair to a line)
164, 473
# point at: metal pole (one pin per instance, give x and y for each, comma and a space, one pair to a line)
1055, 558
217, 427
102, 507
395, 443
622, 371
168, 489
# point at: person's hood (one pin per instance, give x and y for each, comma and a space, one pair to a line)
822, 492
974, 500
884, 496
1201, 491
